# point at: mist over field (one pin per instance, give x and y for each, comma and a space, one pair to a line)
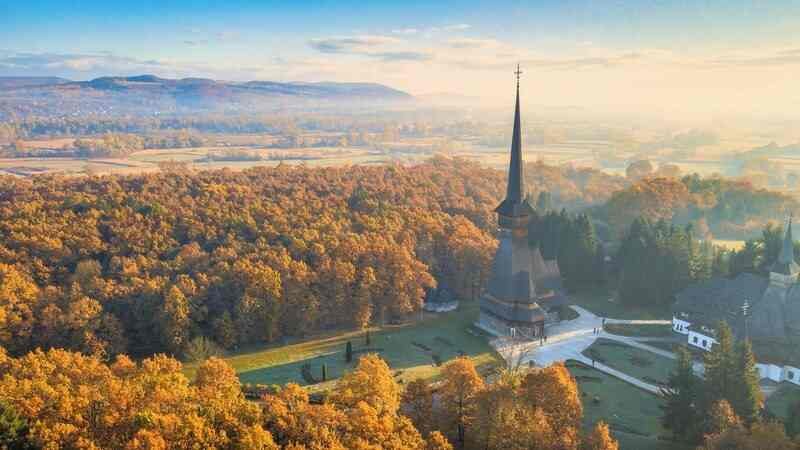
450, 225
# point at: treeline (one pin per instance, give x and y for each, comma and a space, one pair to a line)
118, 145
714, 206
148, 263
656, 260
389, 125
724, 409
572, 241
59, 399
757, 255
109, 145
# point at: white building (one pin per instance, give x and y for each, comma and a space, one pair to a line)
752, 305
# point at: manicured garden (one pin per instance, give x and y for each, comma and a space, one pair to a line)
632, 414
642, 364
415, 350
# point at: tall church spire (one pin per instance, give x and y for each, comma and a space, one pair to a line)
515, 204
786, 264
515, 189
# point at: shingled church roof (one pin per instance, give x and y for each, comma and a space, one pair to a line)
717, 299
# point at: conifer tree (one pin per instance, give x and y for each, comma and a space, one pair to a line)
720, 264
719, 368
681, 399
584, 250
544, 203
746, 397
746, 259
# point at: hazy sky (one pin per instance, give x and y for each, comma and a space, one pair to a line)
677, 57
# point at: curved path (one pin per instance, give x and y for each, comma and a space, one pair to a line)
568, 340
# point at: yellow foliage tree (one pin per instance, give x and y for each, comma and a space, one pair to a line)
459, 393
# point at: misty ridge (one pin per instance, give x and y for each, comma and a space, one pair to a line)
152, 95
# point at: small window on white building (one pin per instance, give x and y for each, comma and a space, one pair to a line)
695, 340
705, 343
791, 375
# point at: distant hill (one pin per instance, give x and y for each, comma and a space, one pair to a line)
20, 82
771, 150
149, 94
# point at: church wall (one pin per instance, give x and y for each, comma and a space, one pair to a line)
775, 373
791, 374
680, 326
701, 341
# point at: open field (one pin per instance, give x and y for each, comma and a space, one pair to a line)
632, 414
412, 349
605, 304
729, 244
646, 366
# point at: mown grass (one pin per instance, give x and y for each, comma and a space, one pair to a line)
646, 366
778, 403
631, 413
605, 303
639, 330
411, 350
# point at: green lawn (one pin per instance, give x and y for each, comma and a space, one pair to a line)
778, 403
604, 303
643, 330
646, 366
631, 413
410, 348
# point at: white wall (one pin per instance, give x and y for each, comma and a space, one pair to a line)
680, 326
770, 371
791, 374
700, 340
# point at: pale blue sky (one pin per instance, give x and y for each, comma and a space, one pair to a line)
420, 46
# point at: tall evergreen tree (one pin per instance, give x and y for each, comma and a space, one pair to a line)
746, 259
771, 243
719, 367
720, 264
584, 250
544, 203
745, 397
681, 415
635, 281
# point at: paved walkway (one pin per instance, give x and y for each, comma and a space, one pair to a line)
568, 340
